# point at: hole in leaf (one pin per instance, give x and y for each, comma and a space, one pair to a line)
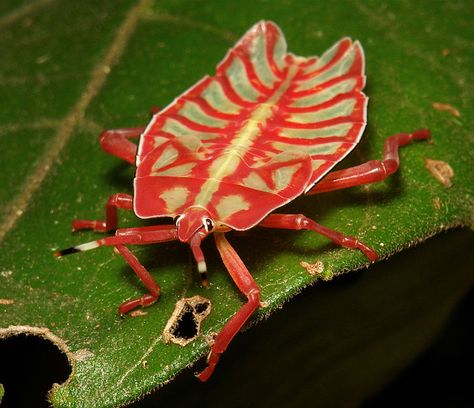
201, 307
184, 324
29, 366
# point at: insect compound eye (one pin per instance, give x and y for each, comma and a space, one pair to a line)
208, 224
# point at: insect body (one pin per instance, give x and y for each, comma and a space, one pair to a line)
265, 129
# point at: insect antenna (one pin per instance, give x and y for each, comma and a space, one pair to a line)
80, 248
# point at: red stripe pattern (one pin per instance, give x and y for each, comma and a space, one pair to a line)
261, 131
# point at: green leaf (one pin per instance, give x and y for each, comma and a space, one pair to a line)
102, 64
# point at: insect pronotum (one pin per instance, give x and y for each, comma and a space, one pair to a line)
266, 128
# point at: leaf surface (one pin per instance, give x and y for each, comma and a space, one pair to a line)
94, 65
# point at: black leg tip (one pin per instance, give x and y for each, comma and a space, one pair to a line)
67, 251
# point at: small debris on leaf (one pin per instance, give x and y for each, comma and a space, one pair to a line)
313, 269
437, 203
184, 324
6, 301
446, 52
446, 108
264, 303
441, 171
210, 338
83, 354
137, 313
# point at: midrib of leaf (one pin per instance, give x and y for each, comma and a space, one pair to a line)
98, 78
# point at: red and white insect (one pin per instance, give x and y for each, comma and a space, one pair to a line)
266, 128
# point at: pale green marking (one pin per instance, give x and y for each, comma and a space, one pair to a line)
324, 59
286, 156
247, 134
174, 198
342, 109
231, 204
312, 67
340, 68
240, 82
328, 131
228, 162
224, 165
193, 112
316, 164
216, 97
259, 60
159, 140
279, 52
181, 170
168, 156
282, 176
254, 181
191, 142
326, 94
221, 167
326, 148
178, 129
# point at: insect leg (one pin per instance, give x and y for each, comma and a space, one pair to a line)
133, 236
249, 288
299, 222
123, 201
372, 171
144, 276
116, 142
140, 236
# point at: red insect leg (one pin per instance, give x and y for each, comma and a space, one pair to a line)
372, 171
123, 201
145, 277
116, 142
299, 221
141, 236
249, 288
132, 236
